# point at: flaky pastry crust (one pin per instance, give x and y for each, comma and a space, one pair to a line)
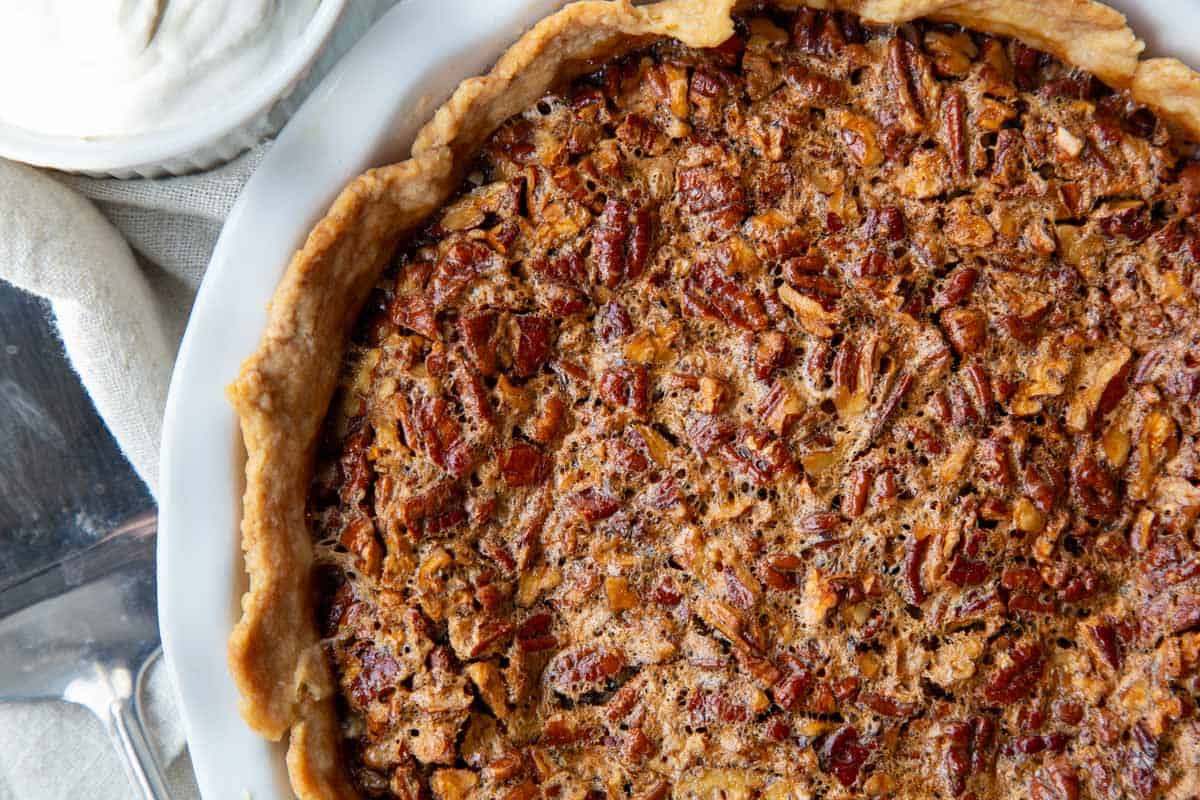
284, 389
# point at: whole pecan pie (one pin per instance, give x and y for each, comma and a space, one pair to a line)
787, 403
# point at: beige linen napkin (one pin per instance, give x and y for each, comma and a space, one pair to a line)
57, 751
120, 263
120, 295
120, 312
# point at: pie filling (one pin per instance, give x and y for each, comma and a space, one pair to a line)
811, 416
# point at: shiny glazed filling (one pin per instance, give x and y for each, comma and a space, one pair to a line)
813, 416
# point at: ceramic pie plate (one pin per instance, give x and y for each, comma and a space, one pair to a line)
364, 114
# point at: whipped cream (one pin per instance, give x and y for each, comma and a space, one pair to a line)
94, 68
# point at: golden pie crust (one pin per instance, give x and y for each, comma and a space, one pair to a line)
284, 390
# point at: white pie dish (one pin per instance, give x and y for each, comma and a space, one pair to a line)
247, 119
364, 114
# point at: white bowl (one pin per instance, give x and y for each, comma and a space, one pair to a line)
365, 113
219, 136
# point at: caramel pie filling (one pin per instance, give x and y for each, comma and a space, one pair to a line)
811, 416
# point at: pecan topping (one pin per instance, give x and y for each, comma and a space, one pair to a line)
621, 243
1012, 682
810, 415
843, 754
717, 295
523, 465
533, 342
626, 387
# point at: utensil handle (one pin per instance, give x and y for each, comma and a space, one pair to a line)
124, 726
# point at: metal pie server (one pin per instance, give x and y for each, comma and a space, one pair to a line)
84, 629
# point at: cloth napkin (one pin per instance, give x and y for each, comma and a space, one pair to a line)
120, 263
120, 272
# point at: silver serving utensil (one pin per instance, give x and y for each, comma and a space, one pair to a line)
84, 630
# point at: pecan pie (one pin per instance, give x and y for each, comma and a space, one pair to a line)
790, 403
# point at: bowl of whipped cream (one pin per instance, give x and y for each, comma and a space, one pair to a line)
143, 88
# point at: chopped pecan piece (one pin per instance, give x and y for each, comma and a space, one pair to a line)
914, 561
843, 754
760, 456
770, 354
967, 572
575, 671
812, 315
1128, 219
707, 432
714, 194
432, 427
378, 671
720, 297
954, 116
712, 706
532, 345
523, 465
905, 79
621, 243
891, 402
1018, 678
593, 504
549, 421
1055, 781
627, 387
1105, 638
966, 329
462, 262
955, 288
968, 751
887, 706
614, 321
780, 408
479, 337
